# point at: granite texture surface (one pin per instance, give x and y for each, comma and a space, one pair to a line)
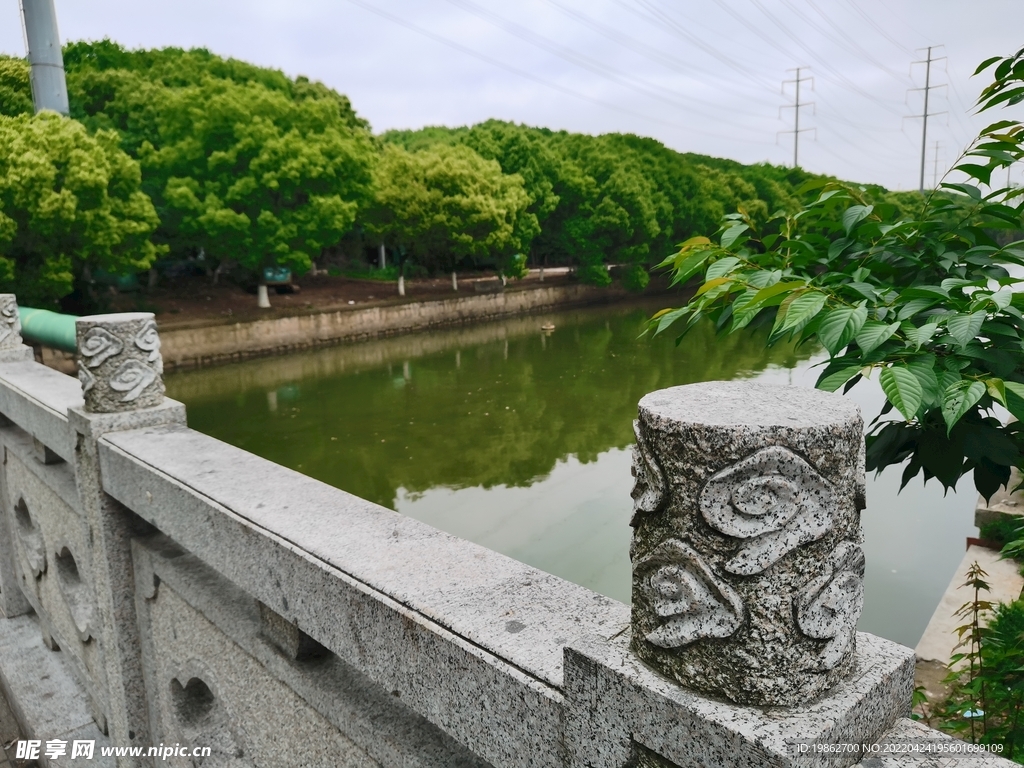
613, 699
747, 566
415, 610
374, 723
119, 362
10, 323
37, 399
43, 693
895, 749
53, 559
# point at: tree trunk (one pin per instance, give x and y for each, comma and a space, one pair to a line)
151, 284
262, 298
401, 285
383, 257
455, 281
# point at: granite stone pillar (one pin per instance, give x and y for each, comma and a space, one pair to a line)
747, 565
120, 368
12, 350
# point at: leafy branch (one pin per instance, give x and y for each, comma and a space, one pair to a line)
925, 300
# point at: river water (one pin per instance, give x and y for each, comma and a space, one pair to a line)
519, 439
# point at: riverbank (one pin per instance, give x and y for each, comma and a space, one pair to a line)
193, 342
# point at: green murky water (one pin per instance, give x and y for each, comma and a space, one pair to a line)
519, 440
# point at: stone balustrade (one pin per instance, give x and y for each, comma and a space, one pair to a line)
161, 587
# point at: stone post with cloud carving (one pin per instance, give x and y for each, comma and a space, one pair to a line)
120, 368
747, 562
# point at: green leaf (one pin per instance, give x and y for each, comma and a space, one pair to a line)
839, 326
669, 317
874, 334
830, 382
722, 267
732, 234
690, 266
711, 284
965, 328
797, 311
996, 389
920, 336
914, 306
902, 389
1014, 398
854, 215
924, 370
959, 399
986, 64
982, 173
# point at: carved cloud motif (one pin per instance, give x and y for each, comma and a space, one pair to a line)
148, 340
773, 499
131, 378
98, 346
10, 323
648, 478
829, 607
684, 593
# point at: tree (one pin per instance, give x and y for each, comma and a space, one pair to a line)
69, 202
446, 204
613, 199
241, 161
920, 297
15, 91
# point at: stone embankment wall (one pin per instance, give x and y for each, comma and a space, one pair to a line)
205, 344
159, 587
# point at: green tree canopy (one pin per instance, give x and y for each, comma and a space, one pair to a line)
445, 204
15, 91
240, 161
614, 199
69, 201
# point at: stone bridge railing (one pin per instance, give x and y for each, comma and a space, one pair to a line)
162, 588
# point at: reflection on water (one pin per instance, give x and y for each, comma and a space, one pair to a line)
503, 434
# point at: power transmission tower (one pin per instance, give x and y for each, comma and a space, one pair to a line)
795, 106
925, 114
935, 167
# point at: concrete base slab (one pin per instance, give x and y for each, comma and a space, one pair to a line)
44, 698
615, 700
1005, 584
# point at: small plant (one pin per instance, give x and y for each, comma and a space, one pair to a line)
987, 688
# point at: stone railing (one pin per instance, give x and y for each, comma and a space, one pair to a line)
162, 588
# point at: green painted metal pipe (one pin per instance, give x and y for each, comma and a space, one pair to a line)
51, 329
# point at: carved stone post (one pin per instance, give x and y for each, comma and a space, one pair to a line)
12, 350
11, 347
120, 364
120, 368
747, 564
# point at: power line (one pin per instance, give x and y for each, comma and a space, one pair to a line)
661, 20
795, 106
585, 62
844, 40
529, 75
878, 27
643, 47
925, 114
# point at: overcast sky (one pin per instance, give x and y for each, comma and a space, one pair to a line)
701, 76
